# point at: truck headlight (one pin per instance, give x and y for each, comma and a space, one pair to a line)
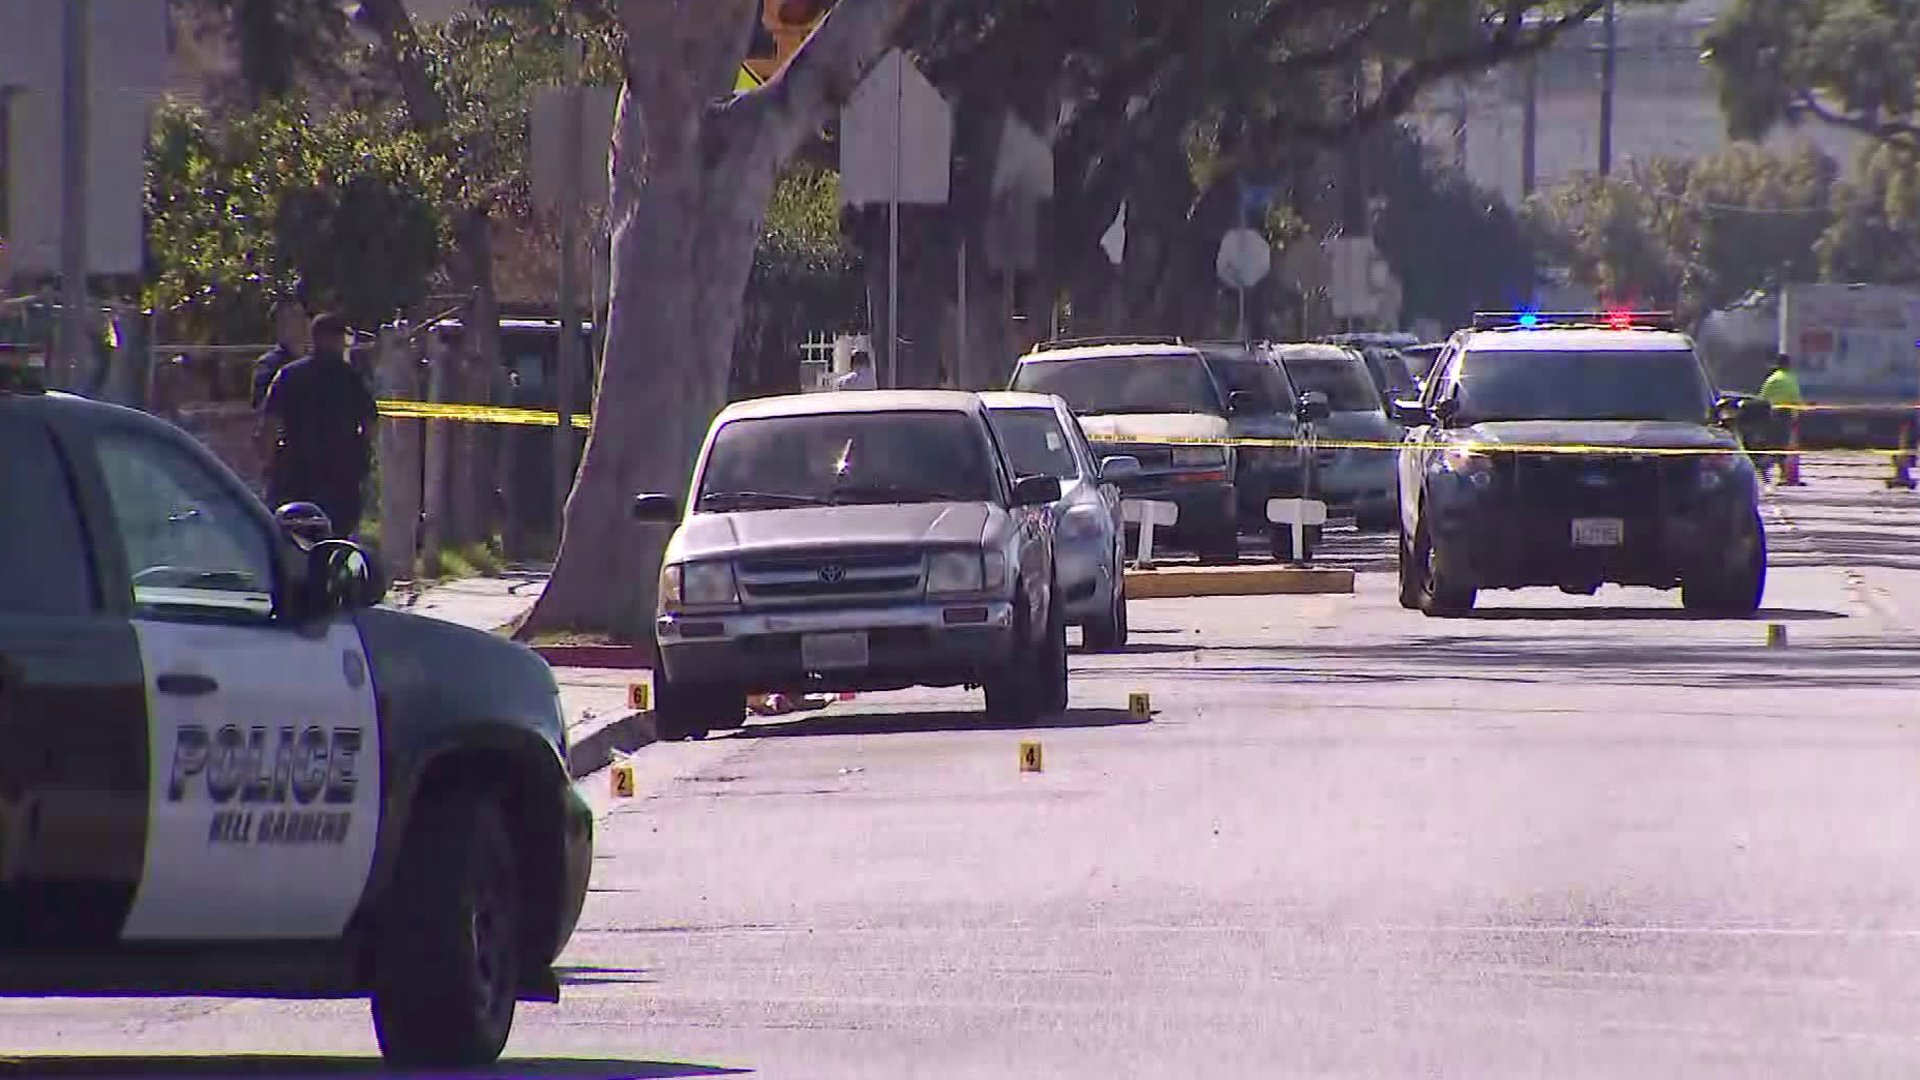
698, 584
1199, 457
955, 572
994, 571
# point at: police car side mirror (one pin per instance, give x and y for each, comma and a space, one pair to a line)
341, 576
656, 509
1408, 411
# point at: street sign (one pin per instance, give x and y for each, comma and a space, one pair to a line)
1114, 240
547, 138
117, 126
1025, 162
1245, 258
896, 138
1352, 290
127, 67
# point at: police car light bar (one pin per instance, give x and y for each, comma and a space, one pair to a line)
1617, 320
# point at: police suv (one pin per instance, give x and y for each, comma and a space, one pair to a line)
225, 771
1577, 450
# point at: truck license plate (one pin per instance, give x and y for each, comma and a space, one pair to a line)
1599, 532
833, 652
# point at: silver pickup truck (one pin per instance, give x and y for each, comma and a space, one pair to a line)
865, 540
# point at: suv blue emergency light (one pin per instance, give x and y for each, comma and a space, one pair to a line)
1616, 319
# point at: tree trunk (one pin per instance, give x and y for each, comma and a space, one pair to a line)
690, 183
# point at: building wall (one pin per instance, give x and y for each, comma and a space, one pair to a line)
1666, 104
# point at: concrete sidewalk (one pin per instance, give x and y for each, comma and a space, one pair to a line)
599, 721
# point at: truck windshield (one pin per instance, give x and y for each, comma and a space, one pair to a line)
831, 459
1035, 444
1107, 385
1340, 376
1664, 384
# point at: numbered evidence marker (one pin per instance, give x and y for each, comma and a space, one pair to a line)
1030, 757
621, 779
640, 696
1139, 705
1776, 635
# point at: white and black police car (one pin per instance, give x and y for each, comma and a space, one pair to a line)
225, 771
1575, 450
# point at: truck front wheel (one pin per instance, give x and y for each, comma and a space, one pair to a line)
447, 966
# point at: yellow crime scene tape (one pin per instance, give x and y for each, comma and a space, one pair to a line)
477, 414
501, 414
1583, 449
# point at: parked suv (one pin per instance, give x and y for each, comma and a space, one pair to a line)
1359, 479
1175, 408
861, 540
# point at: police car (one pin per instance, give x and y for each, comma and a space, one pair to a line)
1576, 450
225, 771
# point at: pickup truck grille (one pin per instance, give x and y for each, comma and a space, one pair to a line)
817, 578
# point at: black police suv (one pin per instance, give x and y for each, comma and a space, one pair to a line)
225, 771
1575, 451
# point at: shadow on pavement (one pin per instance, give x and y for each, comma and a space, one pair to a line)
288, 1066
585, 975
1642, 614
1148, 648
1730, 665
920, 723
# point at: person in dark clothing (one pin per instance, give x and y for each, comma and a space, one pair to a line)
316, 429
289, 334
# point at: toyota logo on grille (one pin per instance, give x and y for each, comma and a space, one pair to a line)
832, 573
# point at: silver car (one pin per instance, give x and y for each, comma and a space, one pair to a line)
1040, 437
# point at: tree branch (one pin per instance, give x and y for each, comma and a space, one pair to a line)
1897, 132
778, 117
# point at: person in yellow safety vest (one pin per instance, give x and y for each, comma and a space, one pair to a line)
1782, 391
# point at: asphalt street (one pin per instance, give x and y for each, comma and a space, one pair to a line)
1566, 837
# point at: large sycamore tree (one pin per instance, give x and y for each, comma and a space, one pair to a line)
692, 169
693, 166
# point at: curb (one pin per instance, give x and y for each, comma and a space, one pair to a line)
598, 657
621, 733
1168, 583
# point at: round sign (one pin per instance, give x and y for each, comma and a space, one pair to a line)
1245, 258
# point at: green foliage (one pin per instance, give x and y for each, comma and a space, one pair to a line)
1692, 235
1455, 247
488, 64
279, 43
1854, 63
280, 201
1875, 235
804, 281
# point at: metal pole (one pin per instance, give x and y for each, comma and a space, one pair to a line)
1608, 58
960, 366
1530, 128
75, 26
893, 224
567, 359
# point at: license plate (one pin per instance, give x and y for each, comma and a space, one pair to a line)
833, 652
1599, 532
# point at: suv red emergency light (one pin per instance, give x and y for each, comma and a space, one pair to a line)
1615, 319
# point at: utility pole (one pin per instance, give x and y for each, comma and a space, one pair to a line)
75, 81
1530, 127
1610, 49
567, 358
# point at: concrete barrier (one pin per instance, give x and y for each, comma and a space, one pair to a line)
1171, 582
